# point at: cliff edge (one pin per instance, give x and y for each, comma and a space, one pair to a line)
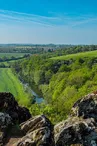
18, 128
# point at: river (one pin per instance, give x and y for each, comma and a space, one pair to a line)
38, 99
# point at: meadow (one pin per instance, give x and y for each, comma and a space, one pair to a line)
76, 56
10, 83
9, 55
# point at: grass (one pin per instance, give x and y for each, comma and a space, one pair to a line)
77, 55
9, 55
10, 83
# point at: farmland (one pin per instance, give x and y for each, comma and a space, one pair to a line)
9, 55
10, 83
7, 58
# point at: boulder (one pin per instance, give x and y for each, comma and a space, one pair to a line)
7, 101
80, 129
9, 105
5, 120
5, 124
76, 131
38, 132
19, 114
86, 107
81, 126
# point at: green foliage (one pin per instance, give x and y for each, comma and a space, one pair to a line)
39, 77
62, 81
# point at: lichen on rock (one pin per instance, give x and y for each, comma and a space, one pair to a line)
80, 129
38, 131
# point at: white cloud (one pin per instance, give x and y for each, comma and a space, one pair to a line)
27, 18
55, 29
58, 20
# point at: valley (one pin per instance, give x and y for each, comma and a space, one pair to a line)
9, 81
60, 80
48, 73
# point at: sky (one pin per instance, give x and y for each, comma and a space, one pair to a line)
48, 21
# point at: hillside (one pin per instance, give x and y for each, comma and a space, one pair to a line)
77, 55
62, 81
9, 81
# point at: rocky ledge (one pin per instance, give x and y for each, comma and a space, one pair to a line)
11, 114
80, 129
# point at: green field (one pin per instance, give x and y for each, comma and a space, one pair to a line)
9, 55
10, 83
77, 55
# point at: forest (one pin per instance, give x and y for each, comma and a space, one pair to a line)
62, 80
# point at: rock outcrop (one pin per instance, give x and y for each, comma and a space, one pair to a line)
5, 124
76, 131
86, 107
38, 132
80, 129
10, 114
9, 105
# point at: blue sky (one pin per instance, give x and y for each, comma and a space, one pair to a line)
48, 21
